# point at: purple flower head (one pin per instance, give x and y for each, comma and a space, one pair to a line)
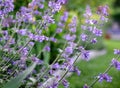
55, 6
103, 10
55, 66
22, 32
105, 77
117, 51
68, 50
116, 64
37, 60
73, 23
6, 6
47, 48
83, 37
64, 17
77, 71
53, 39
83, 27
48, 19
68, 37
88, 12
59, 30
85, 86
54, 85
97, 32
65, 83
94, 40
85, 55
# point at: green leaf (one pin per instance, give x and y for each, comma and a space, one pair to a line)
17, 81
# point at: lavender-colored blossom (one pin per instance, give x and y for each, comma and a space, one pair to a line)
88, 12
77, 71
48, 19
55, 66
116, 63
47, 48
59, 30
64, 17
68, 50
85, 86
37, 60
94, 40
55, 6
53, 39
97, 32
85, 55
105, 77
22, 32
103, 10
65, 83
69, 37
83, 37
117, 51
6, 6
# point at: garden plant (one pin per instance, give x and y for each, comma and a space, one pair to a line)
28, 35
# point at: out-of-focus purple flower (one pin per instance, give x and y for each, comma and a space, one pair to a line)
117, 51
97, 32
47, 48
116, 64
22, 32
83, 27
105, 77
69, 37
48, 19
35, 59
64, 17
85, 86
68, 50
85, 55
59, 30
6, 6
83, 37
88, 12
103, 10
55, 6
77, 71
53, 39
6, 22
94, 40
55, 66
65, 83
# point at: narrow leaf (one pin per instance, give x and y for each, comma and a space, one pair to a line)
17, 81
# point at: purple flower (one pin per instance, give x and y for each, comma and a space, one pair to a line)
6, 6
22, 32
68, 37
83, 37
77, 71
48, 19
85, 55
116, 64
105, 77
59, 30
117, 51
65, 83
64, 17
85, 86
55, 6
55, 66
37, 60
103, 10
97, 32
69, 50
88, 12
47, 48
94, 40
